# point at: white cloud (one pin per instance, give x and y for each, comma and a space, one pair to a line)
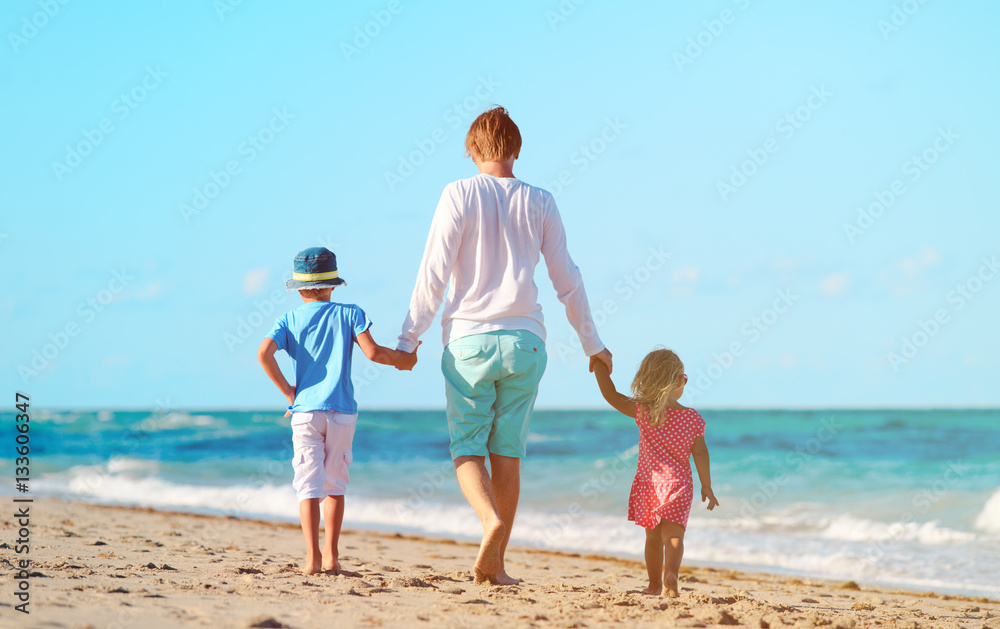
148, 292
784, 263
255, 281
835, 284
687, 274
910, 273
976, 361
913, 265
683, 281
115, 360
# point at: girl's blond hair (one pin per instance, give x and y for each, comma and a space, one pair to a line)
655, 383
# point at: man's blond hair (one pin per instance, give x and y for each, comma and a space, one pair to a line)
493, 137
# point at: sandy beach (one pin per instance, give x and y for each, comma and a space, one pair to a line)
100, 566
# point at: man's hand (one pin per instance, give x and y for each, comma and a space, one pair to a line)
290, 396
406, 361
604, 356
709, 495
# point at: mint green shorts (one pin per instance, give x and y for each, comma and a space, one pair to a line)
491, 382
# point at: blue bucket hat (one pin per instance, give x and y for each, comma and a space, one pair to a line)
314, 268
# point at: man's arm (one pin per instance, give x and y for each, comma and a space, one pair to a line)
621, 403
568, 282
265, 354
440, 252
404, 361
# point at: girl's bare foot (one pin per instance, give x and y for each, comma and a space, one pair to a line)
670, 586
488, 561
654, 588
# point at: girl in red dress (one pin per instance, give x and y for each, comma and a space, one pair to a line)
669, 434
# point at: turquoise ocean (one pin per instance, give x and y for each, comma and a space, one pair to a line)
907, 498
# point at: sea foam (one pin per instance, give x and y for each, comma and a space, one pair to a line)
989, 518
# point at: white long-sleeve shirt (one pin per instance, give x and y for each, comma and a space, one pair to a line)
484, 244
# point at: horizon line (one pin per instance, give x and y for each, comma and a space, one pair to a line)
546, 408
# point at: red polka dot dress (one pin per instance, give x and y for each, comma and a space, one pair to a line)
663, 489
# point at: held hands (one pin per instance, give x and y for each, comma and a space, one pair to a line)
604, 357
709, 495
406, 360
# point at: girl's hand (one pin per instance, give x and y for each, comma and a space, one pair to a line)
709, 495
603, 356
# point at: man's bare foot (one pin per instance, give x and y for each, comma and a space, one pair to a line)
505, 579
670, 587
488, 561
330, 564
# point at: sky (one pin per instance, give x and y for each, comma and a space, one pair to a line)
798, 198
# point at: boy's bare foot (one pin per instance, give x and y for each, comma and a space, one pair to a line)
488, 562
670, 587
330, 564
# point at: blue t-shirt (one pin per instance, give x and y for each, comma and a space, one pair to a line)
319, 337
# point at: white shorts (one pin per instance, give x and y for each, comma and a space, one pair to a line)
322, 442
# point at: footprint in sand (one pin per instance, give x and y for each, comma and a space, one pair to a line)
268, 623
410, 582
248, 570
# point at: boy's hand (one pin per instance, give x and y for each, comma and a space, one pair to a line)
265, 354
406, 361
709, 495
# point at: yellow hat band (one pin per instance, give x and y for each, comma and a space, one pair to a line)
313, 277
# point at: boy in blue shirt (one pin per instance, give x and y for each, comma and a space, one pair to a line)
319, 336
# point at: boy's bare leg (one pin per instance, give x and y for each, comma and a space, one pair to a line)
506, 485
333, 515
654, 559
309, 515
475, 483
672, 535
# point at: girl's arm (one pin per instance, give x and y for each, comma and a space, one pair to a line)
265, 354
621, 403
700, 452
376, 353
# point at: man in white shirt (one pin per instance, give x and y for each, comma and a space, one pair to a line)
487, 235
